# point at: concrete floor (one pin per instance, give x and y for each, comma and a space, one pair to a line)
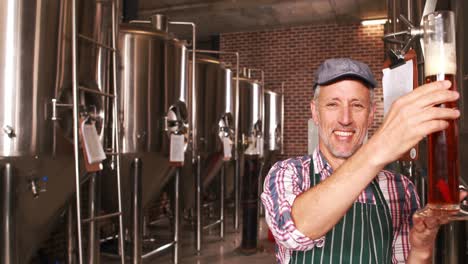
214, 250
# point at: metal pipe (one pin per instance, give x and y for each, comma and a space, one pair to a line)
101, 217
97, 43
70, 236
76, 129
259, 191
84, 89
8, 221
93, 249
410, 10
282, 118
198, 198
137, 209
217, 222
176, 217
159, 249
116, 136
236, 153
221, 198
236, 194
192, 98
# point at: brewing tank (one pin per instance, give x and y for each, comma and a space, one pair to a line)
37, 157
152, 87
215, 105
251, 108
153, 104
28, 61
273, 112
214, 122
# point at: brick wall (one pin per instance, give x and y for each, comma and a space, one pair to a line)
291, 55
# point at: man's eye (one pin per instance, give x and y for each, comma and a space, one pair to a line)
331, 104
358, 106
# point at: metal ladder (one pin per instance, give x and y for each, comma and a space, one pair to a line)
115, 152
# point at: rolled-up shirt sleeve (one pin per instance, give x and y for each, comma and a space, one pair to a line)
284, 182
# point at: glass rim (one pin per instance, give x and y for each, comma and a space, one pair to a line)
435, 14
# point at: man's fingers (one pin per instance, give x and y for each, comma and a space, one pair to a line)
463, 195
428, 89
437, 97
418, 224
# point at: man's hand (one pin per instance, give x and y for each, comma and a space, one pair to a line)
423, 235
422, 238
411, 118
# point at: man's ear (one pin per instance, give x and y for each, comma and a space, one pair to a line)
314, 111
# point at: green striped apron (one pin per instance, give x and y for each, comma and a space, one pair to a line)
363, 235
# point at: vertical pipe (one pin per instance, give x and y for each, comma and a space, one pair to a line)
176, 217
221, 199
93, 250
237, 194
8, 217
259, 189
75, 129
137, 218
198, 198
70, 236
116, 132
249, 204
194, 92
410, 11
236, 151
282, 118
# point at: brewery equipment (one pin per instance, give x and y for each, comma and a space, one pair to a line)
153, 110
274, 120
214, 122
87, 48
250, 148
36, 160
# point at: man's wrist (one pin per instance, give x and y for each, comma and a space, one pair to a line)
420, 256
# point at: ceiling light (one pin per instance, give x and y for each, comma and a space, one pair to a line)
371, 22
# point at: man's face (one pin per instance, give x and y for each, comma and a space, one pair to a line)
343, 113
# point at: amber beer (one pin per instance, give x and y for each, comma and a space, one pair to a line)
443, 165
440, 64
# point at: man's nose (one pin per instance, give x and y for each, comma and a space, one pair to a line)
345, 117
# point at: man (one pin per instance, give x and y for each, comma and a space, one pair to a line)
339, 205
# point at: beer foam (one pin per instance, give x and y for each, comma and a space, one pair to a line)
440, 59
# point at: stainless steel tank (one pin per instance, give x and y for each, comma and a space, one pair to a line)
214, 121
251, 108
273, 118
33, 154
215, 105
153, 104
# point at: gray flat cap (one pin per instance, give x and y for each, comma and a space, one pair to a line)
333, 70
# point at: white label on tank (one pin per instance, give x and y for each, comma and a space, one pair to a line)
227, 148
260, 146
94, 150
177, 148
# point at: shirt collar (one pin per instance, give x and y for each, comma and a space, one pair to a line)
321, 164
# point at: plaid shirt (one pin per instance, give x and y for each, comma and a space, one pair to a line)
289, 178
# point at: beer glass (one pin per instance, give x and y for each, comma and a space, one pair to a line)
440, 64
